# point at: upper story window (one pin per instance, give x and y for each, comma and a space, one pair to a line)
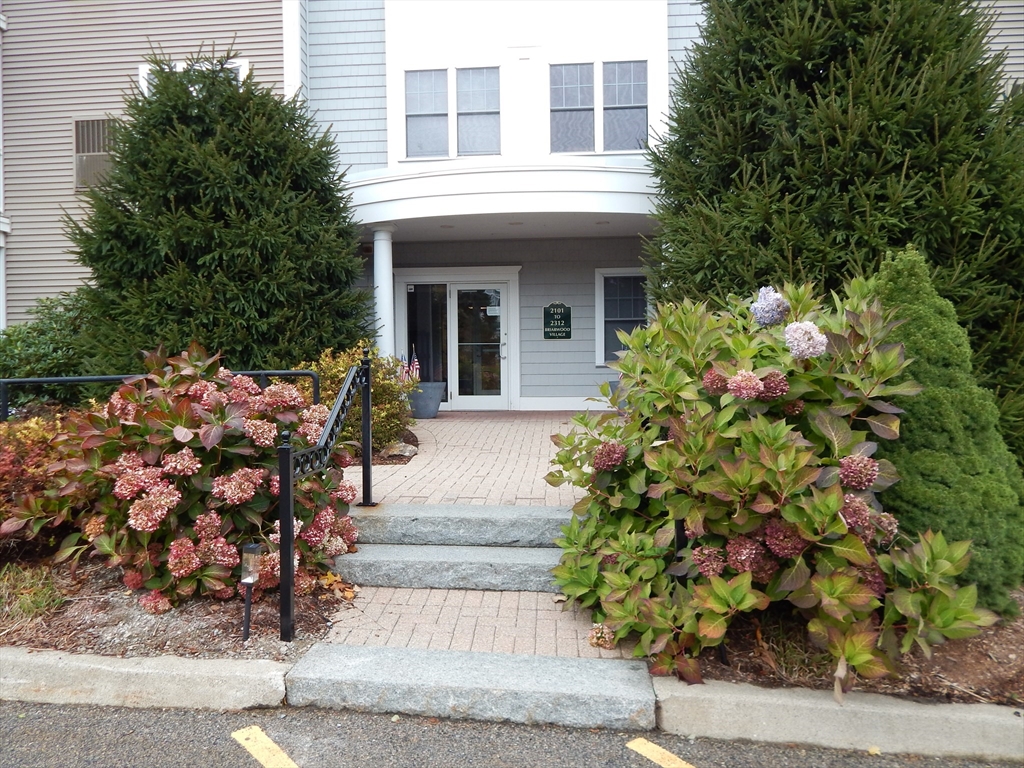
625, 105
572, 107
426, 113
478, 111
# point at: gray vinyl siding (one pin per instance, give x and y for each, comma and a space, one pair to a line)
346, 79
67, 60
304, 47
1007, 34
552, 270
684, 16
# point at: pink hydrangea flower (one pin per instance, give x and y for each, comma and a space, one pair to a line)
275, 485
709, 561
238, 487
857, 472
609, 455
147, 513
715, 383
133, 580
132, 481
263, 433
783, 539
745, 385
183, 463
280, 396
856, 512
245, 384
774, 386
155, 602
125, 410
182, 559
208, 526
346, 492
217, 551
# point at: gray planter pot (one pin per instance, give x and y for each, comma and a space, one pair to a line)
426, 398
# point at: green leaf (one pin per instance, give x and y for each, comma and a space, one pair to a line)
833, 429
885, 425
852, 549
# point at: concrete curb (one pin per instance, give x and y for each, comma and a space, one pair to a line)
55, 677
715, 710
728, 711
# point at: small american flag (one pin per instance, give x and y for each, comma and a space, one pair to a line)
414, 367
403, 369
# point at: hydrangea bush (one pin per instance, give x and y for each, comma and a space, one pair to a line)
177, 470
736, 469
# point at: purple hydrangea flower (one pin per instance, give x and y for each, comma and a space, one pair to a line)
770, 308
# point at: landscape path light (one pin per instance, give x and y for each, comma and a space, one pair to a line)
250, 575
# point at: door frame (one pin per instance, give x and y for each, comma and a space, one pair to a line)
454, 276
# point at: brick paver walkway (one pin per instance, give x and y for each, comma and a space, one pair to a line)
486, 458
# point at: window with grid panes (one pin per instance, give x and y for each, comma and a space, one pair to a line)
624, 308
625, 105
572, 107
478, 112
426, 113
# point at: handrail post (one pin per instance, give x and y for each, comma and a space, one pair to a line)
367, 434
286, 506
316, 388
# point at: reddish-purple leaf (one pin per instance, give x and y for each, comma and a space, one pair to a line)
210, 435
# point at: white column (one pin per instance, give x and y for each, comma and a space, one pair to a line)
384, 288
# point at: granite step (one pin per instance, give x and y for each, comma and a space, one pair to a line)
460, 524
495, 687
450, 567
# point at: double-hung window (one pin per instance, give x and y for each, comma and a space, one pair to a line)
621, 304
572, 107
478, 113
625, 105
426, 113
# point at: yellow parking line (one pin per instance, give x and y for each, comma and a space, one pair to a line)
259, 745
656, 754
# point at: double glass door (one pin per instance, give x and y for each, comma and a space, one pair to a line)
459, 334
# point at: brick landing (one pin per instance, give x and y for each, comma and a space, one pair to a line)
468, 620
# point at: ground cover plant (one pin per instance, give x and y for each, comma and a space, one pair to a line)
742, 442
174, 472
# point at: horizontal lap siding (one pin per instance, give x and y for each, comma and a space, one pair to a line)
552, 270
74, 59
345, 88
684, 16
1007, 34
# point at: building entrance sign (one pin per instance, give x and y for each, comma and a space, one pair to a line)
557, 321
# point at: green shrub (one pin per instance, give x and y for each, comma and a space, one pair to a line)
958, 474
390, 415
176, 471
754, 440
44, 348
806, 139
223, 219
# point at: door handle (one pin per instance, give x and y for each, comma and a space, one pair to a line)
501, 349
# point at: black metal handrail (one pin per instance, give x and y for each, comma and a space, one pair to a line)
264, 380
295, 465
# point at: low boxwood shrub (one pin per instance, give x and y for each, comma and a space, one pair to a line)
958, 474
177, 470
390, 413
737, 469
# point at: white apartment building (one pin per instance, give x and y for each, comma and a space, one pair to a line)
494, 153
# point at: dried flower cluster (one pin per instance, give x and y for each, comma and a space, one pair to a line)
770, 308
805, 341
609, 456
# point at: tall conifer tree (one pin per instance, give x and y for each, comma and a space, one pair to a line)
224, 220
808, 136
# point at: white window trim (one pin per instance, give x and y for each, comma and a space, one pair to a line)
599, 276
452, 81
240, 65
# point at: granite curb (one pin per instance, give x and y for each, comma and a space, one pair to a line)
716, 710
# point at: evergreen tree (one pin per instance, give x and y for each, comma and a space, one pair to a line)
806, 137
223, 220
957, 474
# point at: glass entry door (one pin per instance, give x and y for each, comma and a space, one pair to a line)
480, 346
